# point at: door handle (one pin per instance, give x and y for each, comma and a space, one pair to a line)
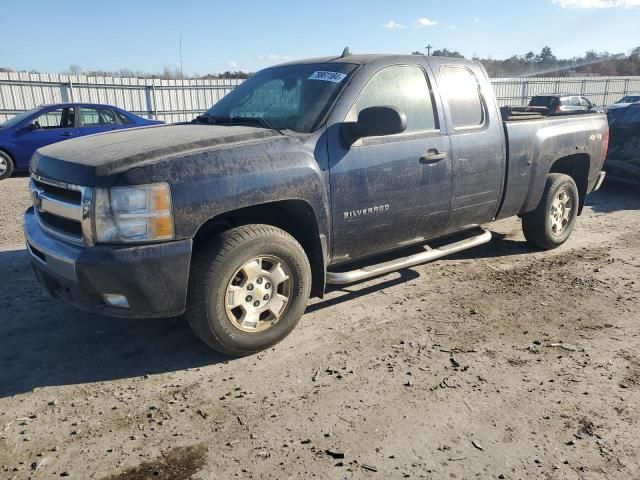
433, 156
66, 134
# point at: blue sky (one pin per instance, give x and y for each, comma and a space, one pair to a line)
244, 34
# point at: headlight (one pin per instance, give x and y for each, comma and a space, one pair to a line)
141, 213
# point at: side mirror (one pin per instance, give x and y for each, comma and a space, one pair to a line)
377, 122
32, 126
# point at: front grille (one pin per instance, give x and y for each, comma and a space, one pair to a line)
63, 209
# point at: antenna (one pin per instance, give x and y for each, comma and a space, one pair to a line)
346, 52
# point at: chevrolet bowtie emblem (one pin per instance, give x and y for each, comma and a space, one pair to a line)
36, 194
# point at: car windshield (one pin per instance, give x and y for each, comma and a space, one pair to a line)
630, 99
293, 97
13, 121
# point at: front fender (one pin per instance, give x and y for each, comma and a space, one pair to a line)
208, 184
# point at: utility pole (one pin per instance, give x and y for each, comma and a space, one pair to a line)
428, 48
181, 76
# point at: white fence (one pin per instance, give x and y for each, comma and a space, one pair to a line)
602, 91
181, 100
168, 100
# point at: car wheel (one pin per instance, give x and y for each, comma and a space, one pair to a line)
248, 289
6, 165
551, 223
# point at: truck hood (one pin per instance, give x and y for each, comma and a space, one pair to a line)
94, 160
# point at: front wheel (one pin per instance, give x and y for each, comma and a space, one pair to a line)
248, 289
551, 223
6, 165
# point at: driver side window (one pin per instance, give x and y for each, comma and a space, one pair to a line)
403, 87
58, 118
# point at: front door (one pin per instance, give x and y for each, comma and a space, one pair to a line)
391, 191
52, 126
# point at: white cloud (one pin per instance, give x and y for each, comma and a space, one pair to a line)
393, 24
597, 3
477, 20
233, 64
425, 22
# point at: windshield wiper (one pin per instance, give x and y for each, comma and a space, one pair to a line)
259, 121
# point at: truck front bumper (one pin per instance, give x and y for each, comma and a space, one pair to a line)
146, 281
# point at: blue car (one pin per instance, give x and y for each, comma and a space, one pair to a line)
23, 134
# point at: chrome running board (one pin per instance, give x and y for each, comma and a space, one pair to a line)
345, 278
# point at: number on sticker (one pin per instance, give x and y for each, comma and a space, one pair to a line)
335, 77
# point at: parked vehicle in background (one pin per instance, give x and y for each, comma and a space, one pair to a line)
623, 160
626, 101
23, 134
564, 103
299, 178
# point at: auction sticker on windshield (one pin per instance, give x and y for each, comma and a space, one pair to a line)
335, 77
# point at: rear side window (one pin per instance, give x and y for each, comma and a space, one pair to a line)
123, 118
462, 92
575, 101
95, 117
403, 87
542, 102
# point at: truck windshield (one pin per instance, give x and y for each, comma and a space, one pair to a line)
293, 97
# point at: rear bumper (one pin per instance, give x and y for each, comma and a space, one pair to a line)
153, 278
601, 177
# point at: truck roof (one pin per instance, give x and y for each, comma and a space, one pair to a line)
362, 59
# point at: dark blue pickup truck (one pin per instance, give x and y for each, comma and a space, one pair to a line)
299, 178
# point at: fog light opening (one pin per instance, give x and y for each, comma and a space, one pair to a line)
115, 300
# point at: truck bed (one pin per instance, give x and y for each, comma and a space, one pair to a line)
535, 144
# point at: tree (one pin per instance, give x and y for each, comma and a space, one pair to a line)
545, 56
74, 70
445, 52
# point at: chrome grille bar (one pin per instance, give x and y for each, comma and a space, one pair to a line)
71, 209
60, 208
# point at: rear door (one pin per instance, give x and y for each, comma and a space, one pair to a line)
394, 190
97, 120
477, 142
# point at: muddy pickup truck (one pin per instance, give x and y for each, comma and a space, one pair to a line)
303, 176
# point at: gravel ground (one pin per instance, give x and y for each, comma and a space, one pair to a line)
501, 362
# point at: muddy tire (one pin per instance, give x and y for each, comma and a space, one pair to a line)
248, 289
551, 223
6, 165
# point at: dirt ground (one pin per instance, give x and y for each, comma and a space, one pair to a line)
502, 362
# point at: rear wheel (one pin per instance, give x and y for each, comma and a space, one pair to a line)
6, 165
551, 223
248, 290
